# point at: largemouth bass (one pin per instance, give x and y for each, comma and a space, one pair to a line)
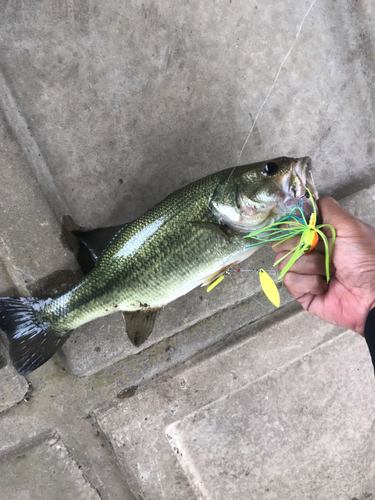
188, 239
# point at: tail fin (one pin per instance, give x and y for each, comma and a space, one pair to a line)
31, 340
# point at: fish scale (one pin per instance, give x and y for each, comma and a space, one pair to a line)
171, 255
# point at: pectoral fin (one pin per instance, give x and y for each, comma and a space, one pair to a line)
97, 241
139, 324
210, 279
222, 231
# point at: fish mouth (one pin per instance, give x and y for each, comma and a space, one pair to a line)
244, 207
294, 183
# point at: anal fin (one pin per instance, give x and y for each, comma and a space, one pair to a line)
139, 324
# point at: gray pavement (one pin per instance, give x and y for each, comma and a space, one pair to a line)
106, 108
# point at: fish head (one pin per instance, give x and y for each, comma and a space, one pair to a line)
254, 196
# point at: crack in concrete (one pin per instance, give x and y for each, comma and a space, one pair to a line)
21, 131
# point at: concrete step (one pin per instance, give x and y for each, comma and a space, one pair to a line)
13, 387
207, 318
64, 156
41, 469
285, 414
106, 108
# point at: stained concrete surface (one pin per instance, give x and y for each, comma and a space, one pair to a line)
149, 450
40, 471
105, 109
13, 387
275, 439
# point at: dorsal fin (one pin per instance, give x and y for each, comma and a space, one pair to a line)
139, 324
97, 241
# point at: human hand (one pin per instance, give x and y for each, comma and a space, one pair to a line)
350, 294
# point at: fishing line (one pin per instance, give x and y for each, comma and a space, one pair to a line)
277, 76
230, 175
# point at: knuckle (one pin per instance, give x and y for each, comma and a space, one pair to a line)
317, 285
289, 281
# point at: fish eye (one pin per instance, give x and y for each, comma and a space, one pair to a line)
270, 168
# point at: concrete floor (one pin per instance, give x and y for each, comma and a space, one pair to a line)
100, 104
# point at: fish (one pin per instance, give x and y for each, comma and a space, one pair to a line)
189, 239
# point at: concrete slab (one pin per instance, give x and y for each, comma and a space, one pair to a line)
13, 387
7, 287
362, 205
55, 414
94, 150
30, 248
120, 98
43, 470
138, 428
305, 431
106, 109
